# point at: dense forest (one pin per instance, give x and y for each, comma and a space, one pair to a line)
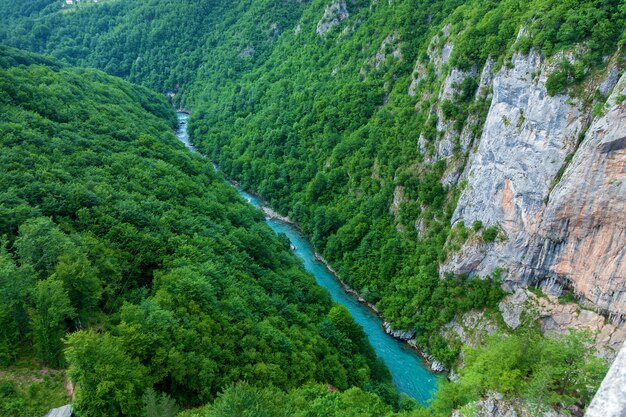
162, 276
321, 125
317, 120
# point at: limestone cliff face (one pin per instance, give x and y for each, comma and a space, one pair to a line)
557, 233
582, 237
525, 140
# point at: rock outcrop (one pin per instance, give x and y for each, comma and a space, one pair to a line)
471, 328
526, 139
398, 334
562, 223
494, 405
582, 238
556, 317
334, 14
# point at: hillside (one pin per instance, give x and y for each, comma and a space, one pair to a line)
166, 280
419, 145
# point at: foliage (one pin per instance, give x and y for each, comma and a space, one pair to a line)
306, 122
490, 234
28, 391
167, 262
311, 401
109, 382
158, 405
51, 307
547, 372
114, 227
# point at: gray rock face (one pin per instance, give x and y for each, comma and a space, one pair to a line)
582, 237
483, 91
471, 328
419, 72
334, 13
512, 308
391, 41
445, 146
578, 238
438, 54
525, 140
398, 334
65, 411
610, 400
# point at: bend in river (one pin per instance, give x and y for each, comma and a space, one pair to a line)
409, 373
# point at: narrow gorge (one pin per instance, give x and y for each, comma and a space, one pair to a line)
459, 166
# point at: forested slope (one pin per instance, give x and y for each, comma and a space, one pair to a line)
159, 274
156, 43
414, 142
355, 118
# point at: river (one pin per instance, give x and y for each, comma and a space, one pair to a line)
409, 372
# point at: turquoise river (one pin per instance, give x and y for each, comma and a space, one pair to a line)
409, 372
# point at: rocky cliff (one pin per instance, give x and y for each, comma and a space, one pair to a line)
551, 178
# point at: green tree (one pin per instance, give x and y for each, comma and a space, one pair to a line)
159, 404
81, 281
40, 244
574, 369
108, 381
51, 307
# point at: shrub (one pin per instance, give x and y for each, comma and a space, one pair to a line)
490, 234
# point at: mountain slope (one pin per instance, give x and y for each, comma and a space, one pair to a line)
160, 276
414, 142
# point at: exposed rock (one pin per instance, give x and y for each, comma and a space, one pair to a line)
491, 406
440, 49
494, 405
568, 235
471, 328
391, 42
65, 411
525, 140
610, 400
513, 306
398, 334
420, 228
452, 173
247, 52
334, 13
274, 30
468, 259
609, 83
271, 214
483, 92
555, 317
418, 74
582, 239
398, 198
445, 146
436, 366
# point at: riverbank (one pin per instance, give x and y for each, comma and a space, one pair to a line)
410, 368
406, 336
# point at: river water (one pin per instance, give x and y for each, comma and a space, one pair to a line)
409, 372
